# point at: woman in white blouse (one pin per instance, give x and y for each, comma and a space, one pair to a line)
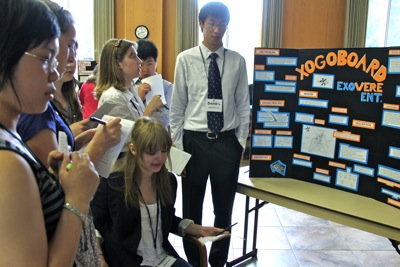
119, 65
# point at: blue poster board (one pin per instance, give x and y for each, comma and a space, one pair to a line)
329, 116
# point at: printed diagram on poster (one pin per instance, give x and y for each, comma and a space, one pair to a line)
329, 116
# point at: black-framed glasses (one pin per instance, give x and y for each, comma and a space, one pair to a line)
50, 66
213, 25
118, 43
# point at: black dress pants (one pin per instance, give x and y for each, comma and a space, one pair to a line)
219, 160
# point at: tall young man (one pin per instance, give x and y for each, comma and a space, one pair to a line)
211, 126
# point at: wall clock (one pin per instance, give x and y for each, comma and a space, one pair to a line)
141, 32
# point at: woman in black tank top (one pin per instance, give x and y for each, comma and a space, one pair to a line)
42, 215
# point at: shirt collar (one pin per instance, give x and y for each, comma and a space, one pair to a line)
207, 52
129, 93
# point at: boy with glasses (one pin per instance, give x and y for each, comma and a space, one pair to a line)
209, 119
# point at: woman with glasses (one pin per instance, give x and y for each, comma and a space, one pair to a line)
43, 212
41, 132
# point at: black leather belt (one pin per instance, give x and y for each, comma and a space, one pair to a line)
210, 135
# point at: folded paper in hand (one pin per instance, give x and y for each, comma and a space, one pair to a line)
157, 88
206, 239
178, 161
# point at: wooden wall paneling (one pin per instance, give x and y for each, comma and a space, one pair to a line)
313, 23
168, 40
119, 18
306, 24
139, 12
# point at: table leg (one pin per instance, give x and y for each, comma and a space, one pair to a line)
252, 253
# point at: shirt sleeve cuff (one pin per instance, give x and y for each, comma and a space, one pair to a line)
182, 226
98, 235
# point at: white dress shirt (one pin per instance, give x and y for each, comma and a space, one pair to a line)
188, 104
128, 106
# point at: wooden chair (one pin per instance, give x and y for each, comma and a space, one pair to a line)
201, 249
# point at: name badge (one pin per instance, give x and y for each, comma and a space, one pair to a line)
166, 262
214, 105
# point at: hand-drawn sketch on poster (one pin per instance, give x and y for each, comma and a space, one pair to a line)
318, 141
347, 179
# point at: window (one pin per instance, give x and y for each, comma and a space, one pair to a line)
244, 29
83, 14
383, 26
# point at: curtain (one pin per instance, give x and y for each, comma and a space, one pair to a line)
271, 35
187, 28
103, 24
356, 23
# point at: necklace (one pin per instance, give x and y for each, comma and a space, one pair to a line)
138, 108
150, 221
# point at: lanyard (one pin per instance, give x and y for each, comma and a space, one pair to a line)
139, 109
204, 63
150, 221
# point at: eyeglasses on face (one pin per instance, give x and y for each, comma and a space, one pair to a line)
213, 25
73, 47
50, 66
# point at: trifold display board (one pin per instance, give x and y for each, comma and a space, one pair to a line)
330, 117
85, 68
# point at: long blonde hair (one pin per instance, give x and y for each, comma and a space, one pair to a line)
110, 75
148, 135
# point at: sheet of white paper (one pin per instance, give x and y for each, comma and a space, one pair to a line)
206, 239
63, 143
100, 112
167, 261
179, 159
106, 162
157, 88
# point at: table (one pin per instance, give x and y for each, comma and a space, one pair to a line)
349, 209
